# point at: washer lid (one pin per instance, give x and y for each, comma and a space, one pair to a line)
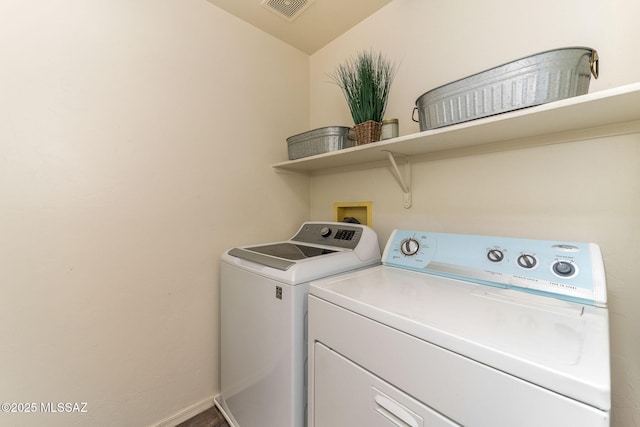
291, 251
282, 252
559, 345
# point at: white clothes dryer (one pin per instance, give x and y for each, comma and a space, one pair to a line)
263, 306
463, 330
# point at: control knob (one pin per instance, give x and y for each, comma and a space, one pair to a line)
495, 255
409, 246
325, 232
564, 268
527, 261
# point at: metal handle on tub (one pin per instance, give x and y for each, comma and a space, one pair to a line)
594, 64
413, 115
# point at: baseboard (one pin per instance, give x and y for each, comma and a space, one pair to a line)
187, 413
222, 407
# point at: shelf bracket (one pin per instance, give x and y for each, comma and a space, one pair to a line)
404, 182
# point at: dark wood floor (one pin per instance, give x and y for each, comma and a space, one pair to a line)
209, 418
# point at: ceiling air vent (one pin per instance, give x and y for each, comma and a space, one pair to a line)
287, 9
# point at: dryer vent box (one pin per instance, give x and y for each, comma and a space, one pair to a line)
359, 210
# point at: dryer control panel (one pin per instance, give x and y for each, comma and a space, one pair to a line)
564, 270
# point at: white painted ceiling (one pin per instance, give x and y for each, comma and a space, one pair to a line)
316, 26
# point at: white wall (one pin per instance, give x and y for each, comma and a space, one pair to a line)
578, 191
136, 139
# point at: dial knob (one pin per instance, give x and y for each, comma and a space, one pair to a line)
527, 261
563, 268
409, 246
325, 232
495, 255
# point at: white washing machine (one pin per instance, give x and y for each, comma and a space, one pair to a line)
263, 305
463, 330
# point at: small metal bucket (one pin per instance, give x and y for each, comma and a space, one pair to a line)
318, 141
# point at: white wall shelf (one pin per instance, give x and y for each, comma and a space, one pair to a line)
581, 115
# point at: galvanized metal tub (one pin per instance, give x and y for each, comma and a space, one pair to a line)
533, 80
318, 141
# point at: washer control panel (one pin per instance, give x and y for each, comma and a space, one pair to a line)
564, 270
341, 235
